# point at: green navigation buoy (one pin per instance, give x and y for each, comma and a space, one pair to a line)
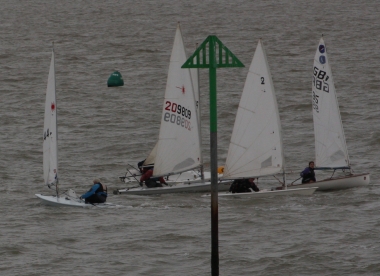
115, 79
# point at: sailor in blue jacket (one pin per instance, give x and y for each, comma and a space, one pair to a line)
308, 175
97, 193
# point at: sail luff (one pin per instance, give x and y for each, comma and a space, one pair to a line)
196, 87
330, 143
277, 113
256, 144
341, 127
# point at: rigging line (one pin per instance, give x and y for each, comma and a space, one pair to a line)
78, 198
133, 167
133, 175
295, 181
282, 183
50, 185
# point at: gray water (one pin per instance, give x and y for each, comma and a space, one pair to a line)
102, 129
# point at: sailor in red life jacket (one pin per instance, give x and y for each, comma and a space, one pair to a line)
150, 181
97, 193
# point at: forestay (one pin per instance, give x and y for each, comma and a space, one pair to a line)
50, 159
256, 144
330, 143
178, 147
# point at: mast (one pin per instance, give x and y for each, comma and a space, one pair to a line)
56, 126
199, 118
278, 118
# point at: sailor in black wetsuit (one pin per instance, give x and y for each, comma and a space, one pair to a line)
308, 174
243, 186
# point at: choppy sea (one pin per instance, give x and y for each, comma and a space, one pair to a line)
103, 129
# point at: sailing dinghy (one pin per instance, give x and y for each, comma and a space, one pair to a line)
256, 148
50, 150
196, 175
178, 149
330, 143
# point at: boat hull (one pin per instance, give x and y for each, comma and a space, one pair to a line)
67, 201
185, 177
62, 201
270, 193
339, 183
176, 188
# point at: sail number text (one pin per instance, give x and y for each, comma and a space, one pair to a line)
320, 80
315, 102
47, 133
177, 108
177, 114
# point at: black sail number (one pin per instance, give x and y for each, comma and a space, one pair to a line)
320, 79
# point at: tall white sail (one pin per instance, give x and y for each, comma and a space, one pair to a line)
178, 147
330, 143
50, 160
194, 77
256, 143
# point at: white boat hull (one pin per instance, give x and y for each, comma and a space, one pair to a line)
185, 177
339, 183
270, 193
68, 200
176, 188
61, 201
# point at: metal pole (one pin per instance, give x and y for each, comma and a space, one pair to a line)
214, 162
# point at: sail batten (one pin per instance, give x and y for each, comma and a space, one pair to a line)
330, 143
178, 147
256, 143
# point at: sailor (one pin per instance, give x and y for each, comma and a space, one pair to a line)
308, 175
243, 186
253, 185
97, 193
150, 181
140, 165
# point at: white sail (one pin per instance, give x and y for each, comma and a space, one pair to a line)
256, 143
330, 143
194, 77
152, 156
178, 146
50, 160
